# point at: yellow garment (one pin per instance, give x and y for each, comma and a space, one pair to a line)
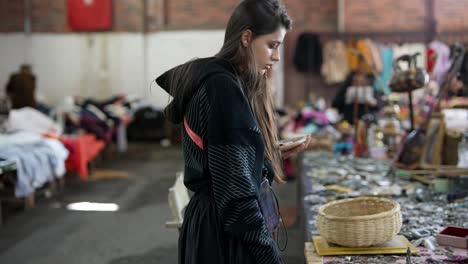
364, 48
376, 58
352, 58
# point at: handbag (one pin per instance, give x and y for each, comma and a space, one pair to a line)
266, 198
408, 80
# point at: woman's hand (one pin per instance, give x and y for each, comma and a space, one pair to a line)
300, 148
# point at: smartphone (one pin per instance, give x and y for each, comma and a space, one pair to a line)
290, 143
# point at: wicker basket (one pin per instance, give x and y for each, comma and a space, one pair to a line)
359, 222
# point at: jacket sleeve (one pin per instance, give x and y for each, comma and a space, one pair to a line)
235, 160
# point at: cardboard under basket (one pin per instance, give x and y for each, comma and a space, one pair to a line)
398, 245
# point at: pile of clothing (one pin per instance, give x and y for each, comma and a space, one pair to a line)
38, 159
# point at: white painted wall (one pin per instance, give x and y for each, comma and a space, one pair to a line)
94, 65
102, 64
169, 49
12, 54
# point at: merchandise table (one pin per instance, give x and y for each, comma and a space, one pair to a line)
83, 148
325, 177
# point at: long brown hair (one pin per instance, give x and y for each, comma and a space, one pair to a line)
261, 17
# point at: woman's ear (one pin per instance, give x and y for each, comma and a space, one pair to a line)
246, 38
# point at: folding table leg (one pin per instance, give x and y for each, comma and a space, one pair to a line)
29, 201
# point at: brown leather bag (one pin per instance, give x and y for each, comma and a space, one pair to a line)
408, 80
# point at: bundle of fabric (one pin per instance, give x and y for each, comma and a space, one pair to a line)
310, 120
101, 118
38, 160
30, 119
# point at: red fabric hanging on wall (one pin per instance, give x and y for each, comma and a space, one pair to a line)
89, 15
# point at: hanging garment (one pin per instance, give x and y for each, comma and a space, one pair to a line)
386, 53
88, 15
363, 47
431, 56
443, 60
375, 53
352, 58
335, 63
308, 53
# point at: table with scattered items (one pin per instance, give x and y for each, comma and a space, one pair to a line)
425, 212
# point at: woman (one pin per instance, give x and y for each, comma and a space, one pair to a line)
225, 106
457, 94
342, 102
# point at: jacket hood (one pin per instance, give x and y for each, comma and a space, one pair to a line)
202, 69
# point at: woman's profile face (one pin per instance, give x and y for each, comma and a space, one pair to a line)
266, 49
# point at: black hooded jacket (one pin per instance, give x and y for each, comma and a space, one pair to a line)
230, 164
203, 68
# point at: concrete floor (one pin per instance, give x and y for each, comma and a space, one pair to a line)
136, 234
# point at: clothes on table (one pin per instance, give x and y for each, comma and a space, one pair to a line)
30, 119
36, 163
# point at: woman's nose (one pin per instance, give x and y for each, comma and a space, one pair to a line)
275, 56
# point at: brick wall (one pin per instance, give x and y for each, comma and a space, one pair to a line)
48, 16
11, 16
128, 15
316, 15
155, 15
311, 15
206, 14
385, 15
451, 15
